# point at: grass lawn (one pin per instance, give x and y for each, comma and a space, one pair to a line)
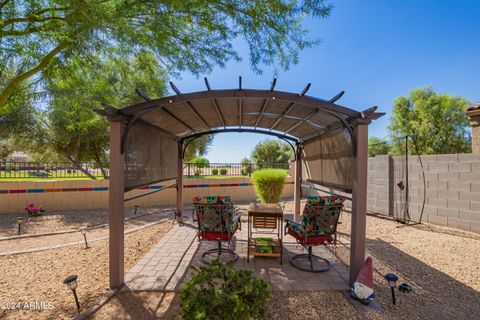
45, 179
20, 179
216, 177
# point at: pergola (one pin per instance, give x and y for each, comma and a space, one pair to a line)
148, 140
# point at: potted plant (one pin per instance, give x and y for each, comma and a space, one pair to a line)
33, 211
268, 184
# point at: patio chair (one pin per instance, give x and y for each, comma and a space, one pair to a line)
318, 227
217, 221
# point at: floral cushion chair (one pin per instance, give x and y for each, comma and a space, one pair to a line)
318, 227
217, 221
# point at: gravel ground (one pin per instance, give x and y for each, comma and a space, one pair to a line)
440, 263
64, 220
38, 276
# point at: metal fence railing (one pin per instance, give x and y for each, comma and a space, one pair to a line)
17, 170
32, 170
228, 169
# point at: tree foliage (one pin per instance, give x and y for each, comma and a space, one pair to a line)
184, 35
378, 146
198, 147
272, 151
435, 123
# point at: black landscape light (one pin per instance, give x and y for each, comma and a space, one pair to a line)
136, 208
71, 282
392, 282
83, 230
19, 222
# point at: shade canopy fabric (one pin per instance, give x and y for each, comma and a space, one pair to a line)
322, 127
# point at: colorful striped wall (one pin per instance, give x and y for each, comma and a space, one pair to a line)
86, 194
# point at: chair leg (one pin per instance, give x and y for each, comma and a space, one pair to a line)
218, 253
307, 262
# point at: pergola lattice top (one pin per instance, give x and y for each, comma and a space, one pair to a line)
291, 116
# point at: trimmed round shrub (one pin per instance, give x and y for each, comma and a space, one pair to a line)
269, 184
214, 172
218, 291
223, 172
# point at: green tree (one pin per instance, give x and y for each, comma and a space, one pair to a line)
185, 35
435, 123
378, 146
200, 162
70, 127
198, 147
272, 151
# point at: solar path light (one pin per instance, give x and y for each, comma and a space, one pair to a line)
19, 222
71, 282
392, 282
83, 230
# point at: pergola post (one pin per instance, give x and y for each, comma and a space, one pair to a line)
180, 184
116, 208
359, 199
297, 187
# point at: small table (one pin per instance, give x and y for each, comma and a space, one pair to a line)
264, 217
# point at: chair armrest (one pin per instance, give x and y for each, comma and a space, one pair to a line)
291, 222
235, 219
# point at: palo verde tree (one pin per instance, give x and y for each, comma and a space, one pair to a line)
70, 127
185, 35
435, 123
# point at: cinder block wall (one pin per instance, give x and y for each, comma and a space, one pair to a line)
451, 189
87, 194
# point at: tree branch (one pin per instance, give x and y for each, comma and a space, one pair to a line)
30, 19
10, 87
4, 3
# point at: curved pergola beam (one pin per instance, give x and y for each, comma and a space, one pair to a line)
244, 93
237, 129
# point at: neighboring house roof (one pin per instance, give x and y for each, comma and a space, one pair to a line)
18, 155
476, 106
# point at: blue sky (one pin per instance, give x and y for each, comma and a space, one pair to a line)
374, 50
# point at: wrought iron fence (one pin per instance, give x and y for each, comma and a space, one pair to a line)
21, 170
228, 169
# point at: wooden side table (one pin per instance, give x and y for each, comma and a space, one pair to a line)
267, 219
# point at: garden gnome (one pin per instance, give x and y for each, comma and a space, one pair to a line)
362, 289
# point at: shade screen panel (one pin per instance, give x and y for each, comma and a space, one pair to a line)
328, 160
151, 156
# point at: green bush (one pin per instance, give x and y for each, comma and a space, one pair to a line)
214, 172
200, 162
243, 172
197, 172
223, 171
218, 291
269, 184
